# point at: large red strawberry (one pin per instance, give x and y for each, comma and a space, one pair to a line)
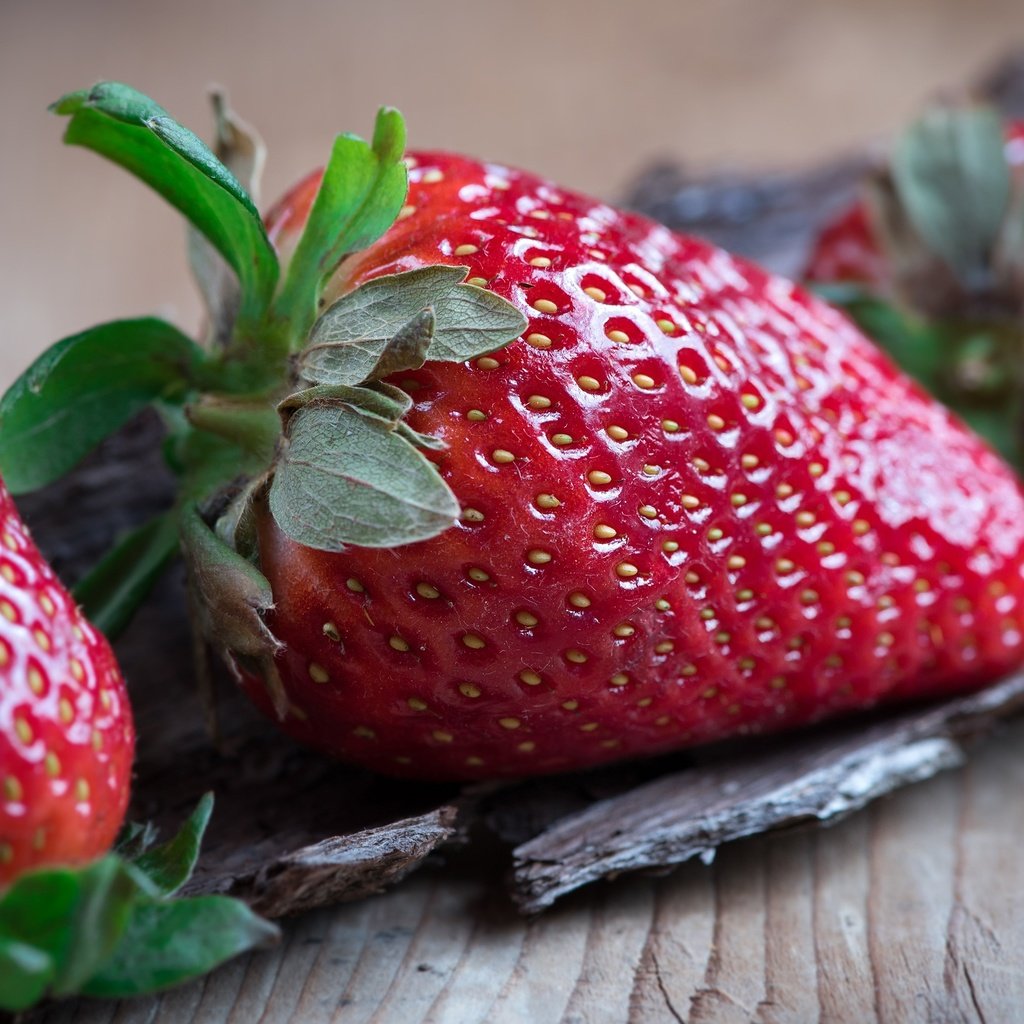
694, 502
66, 735
688, 500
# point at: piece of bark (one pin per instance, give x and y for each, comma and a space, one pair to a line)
343, 868
815, 778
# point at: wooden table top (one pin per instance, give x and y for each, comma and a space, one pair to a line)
912, 910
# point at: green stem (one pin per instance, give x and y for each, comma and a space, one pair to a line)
252, 424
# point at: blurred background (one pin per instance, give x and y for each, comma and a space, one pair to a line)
587, 93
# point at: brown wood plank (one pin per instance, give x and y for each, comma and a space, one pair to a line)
910, 910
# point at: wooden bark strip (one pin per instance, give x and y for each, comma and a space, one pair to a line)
822, 777
342, 868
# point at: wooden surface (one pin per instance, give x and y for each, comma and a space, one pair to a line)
912, 910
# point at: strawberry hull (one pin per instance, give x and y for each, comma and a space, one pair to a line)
696, 503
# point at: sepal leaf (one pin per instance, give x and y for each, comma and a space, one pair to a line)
228, 598
110, 929
133, 131
468, 321
361, 194
239, 147
83, 389
346, 475
379, 401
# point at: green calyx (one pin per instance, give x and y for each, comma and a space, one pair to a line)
117, 926
277, 403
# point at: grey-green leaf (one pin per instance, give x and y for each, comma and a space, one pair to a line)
130, 129
346, 478
169, 942
361, 193
468, 322
169, 865
83, 389
388, 404
352, 361
952, 177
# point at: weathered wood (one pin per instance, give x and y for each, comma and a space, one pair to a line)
792, 781
894, 915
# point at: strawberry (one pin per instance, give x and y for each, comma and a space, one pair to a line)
846, 250
485, 478
66, 734
695, 502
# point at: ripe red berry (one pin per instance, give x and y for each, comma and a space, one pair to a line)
66, 734
696, 502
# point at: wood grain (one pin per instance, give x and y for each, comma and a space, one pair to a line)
911, 910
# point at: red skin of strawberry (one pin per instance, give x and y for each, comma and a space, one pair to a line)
848, 251
66, 732
760, 522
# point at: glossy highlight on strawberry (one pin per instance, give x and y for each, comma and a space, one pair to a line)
696, 503
66, 733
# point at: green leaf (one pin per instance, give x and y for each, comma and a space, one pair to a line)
352, 335
951, 175
25, 974
101, 916
73, 917
170, 865
130, 129
361, 194
167, 943
83, 389
344, 477
115, 587
381, 401
109, 928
